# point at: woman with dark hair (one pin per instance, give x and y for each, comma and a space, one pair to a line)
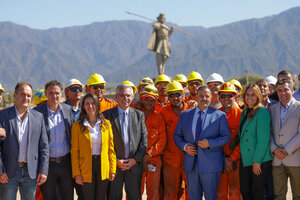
254, 134
92, 150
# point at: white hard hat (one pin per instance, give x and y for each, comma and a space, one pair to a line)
271, 79
73, 81
214, 77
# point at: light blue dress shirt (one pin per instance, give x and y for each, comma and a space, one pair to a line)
283, 111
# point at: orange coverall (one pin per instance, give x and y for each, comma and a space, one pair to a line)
105, 105
229, 184
173, 157
156, 144
158, 106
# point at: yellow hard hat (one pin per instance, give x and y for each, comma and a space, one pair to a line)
162, 78
180, 78
145, 81
149, 90
96, 79
227, 87
39, 97
236, 83
129, 83
193, 76
174, 86
1, 88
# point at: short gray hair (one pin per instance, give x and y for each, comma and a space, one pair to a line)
122, 87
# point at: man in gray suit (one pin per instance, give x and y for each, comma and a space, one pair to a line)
285, 141
130, 140
58, 121
24, 153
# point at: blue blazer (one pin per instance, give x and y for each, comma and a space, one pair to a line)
215, 130
37, 147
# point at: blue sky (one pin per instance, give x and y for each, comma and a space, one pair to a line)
43, 14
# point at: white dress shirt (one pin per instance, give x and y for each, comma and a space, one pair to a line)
95, 136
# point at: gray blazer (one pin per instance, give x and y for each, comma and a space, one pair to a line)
37, 147
138, 139
67, 115
288, 135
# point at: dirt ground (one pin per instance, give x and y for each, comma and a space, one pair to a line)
144, 197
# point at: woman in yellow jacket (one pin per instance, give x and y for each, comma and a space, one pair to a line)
92, 150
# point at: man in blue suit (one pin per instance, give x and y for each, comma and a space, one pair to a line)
201, 133
24, 154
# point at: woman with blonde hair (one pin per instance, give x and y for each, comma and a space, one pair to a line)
92, 150
254, 134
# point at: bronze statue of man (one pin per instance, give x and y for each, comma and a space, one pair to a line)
159, 42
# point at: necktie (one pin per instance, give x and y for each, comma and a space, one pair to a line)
125, 135
198, 126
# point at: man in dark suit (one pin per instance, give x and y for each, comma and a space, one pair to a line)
24, 155
58, 121
130, 140
201, 133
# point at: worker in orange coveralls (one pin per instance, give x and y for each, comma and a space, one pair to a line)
194, 81
229, 186
161, 83
143, 82
156, 143
95, 86
172, 156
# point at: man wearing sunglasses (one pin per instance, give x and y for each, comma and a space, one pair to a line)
95, 86
172, 156
201, 133
161, 83
73, 92
194, 81
228, 187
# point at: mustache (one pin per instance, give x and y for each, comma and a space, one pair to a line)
203, 101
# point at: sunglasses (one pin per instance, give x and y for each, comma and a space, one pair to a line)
95, 87
173, 95
74, 89
223, 96
161, 84
183, 85
194, 83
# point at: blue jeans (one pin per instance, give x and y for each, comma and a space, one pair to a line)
22, 180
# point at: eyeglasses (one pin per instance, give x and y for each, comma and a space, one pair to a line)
183, 85
223, 96
95, 87
173, 95
74, 89
194, 83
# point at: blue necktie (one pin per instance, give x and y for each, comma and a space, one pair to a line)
198, 126
125, 135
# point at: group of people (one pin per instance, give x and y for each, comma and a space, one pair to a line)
220, 142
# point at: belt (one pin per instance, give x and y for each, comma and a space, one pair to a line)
60, 159
22, 164
95, 156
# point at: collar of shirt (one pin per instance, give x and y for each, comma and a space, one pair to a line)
17, 113
86, 123
287, 105
51, 112
121, 111
198, 110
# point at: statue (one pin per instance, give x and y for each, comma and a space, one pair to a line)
159, 42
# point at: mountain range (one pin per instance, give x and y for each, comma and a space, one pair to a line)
118, 50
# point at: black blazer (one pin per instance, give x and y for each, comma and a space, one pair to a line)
67, 115
138, 139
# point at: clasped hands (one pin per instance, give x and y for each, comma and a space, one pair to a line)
125, 164
192, 150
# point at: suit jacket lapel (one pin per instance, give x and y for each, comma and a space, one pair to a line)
190, 126
288, 113
205, 122
45, 114
66, 123
29, 125
277, 117
14, 124
132, 123
116, 117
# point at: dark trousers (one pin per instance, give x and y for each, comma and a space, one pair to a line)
59, 177
98, 188
253, 186
132, 185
